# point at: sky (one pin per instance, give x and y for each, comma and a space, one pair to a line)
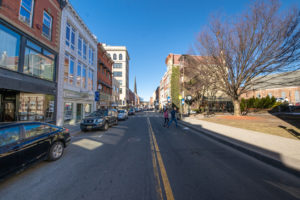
152, 29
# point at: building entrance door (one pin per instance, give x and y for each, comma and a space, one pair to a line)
78, 112
9, 111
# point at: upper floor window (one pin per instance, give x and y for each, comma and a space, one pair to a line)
26, 11
70, 36
84, 49
47, 25
78, 77
117, 65
80, 45
120, 57
117, 74
91, 56
115, 56
69, 69
90, 80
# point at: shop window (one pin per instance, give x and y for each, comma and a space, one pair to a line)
9, 135
9, 48
87, 109
36, 107
26, 11
68, 111
37, 64
47, 25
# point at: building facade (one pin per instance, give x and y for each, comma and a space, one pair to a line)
115, 93
104, 78
283, 85
29, 46
120, 70
77, 76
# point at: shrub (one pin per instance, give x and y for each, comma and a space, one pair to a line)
258, 103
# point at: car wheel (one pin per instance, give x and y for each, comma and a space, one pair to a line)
56, 151
106, 126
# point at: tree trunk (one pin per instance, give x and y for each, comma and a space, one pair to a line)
237, 108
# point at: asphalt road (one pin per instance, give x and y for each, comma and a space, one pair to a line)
140, 159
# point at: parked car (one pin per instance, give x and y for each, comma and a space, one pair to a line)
131, 111
280, 100
122, 115
100, 119
24, 143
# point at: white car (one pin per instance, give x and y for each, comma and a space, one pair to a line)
122, 115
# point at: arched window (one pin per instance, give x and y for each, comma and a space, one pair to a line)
120, 57
115, 56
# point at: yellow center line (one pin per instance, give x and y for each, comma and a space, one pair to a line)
166, 183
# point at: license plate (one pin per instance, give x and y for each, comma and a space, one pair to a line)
89, 127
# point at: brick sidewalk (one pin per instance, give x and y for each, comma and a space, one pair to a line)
278, 151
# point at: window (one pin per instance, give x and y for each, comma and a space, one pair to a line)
69, 69
68, 111
90, 55
297, 96
120, 90
90, 80
84, 76
9, 48
78, 77
26, 11
117, 65
120, 57
117, 74
87, 109
84, 49
120, 82
70, 36
79, 45
32, 130
36, 63
270, 95
93, 56
115, 56
9, 135
47, 25
283, 95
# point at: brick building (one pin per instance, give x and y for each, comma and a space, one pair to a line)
104, 77
29, 46
286, 85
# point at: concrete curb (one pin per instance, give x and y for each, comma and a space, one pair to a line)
251, 152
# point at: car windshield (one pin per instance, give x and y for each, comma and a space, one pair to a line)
121, 111
98, 113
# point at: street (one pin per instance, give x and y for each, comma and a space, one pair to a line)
140, 159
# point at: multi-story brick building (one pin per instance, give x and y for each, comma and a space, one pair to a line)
77, 77
285, 86
29, 46
104, 78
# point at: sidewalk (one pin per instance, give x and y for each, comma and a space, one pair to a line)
278, 151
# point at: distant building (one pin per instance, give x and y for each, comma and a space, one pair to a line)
29, 47
283, 85
104, 78
77, 75
120, 69
115, 93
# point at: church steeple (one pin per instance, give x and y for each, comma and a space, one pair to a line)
135, 89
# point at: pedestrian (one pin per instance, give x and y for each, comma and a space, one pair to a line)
166, 117
173, 117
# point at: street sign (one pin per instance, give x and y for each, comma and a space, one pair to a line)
169, 99
97, 96
182, 101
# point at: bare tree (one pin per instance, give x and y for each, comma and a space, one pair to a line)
242, 50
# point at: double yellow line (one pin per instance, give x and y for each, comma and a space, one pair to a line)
159, 167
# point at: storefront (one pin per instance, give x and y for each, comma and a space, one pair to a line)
77, 105
27, 77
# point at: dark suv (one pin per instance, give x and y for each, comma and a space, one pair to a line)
100, 119
23, 143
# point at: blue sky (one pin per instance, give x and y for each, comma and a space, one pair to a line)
151, 29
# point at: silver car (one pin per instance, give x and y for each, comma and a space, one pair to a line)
122, 115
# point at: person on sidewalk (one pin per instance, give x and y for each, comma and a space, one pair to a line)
166, 116
173, 117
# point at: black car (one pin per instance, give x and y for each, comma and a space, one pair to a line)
24, 143
100, 119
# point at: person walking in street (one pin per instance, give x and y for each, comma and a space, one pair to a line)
166, 116
173, 117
